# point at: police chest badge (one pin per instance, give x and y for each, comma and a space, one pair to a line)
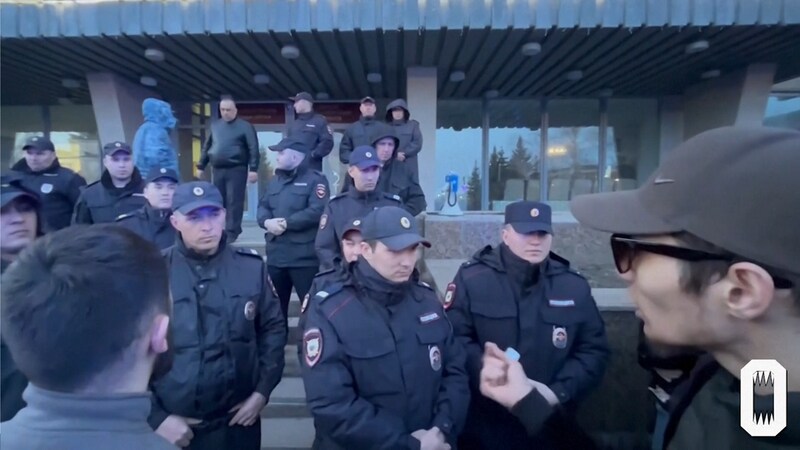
46, 188
323, 221
449, 295
559, 337
312, 346
250, 311
320, 191
435, 355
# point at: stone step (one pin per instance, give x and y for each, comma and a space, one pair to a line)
292, 364
287, 400
287, 433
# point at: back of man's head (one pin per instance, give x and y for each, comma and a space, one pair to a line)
77, 302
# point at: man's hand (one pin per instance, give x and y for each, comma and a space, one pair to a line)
432, 439
252, 177
176, 430
199, 174
275, 226
401, 156
249, 410
502, 379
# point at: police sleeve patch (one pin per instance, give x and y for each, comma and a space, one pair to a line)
323, 221
449, 295
320, 191
312, 346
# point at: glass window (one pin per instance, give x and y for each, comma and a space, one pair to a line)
77, 151
632, 143
515, 141
459, 150
573, 149
783, 111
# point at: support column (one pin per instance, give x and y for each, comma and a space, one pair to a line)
182, 139
421, 89
117, 105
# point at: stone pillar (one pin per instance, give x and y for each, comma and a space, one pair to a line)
421, 92
117, 105
183, 141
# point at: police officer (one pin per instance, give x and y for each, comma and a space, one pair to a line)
58, 187
407, 130
118, 191
365, 169
381, 366
227, 331
396, 177
311, 129
520, 295
359, 132
152, 220
20, 224
290, 211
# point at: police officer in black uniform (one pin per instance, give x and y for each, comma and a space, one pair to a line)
118, 191
311, 129
365, 169
152, 220
521, 295
290, 210
381, 366
227, 331
58, 187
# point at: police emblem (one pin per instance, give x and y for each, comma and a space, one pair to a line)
250, 311
163, 170
312, 346
435, 355
320, 190
197, 191
368, 154
449, 295
46, 188
559, 337
356, 223
118, 144
323, 221
405, 223
535, 212
305, 304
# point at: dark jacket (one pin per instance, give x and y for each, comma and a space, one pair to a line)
357, 134
58, 189
407, 130
494, 301
386, 364
397, 178
299, 196
56, 420
340, 210
227, 331
13, 382
231, 144
332, 274
151, 224
102, 202
711, 400
312, 130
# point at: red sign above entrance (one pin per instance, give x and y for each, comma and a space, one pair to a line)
262, 113
339, 112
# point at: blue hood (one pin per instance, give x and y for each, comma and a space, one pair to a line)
158, 112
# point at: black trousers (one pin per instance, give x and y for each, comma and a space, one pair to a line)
223, 437
232, 184
284, 278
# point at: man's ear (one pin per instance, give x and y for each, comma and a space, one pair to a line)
173, 219
159, 331
749, 291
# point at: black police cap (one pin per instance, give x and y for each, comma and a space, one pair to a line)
157, 173
196, 194
529, 217
394, 227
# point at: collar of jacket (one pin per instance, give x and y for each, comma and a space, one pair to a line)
377, 287
490, 256
131, 186
161, 215
22, 166
360, 195
305, 115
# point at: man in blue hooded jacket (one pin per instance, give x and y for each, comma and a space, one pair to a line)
152, 146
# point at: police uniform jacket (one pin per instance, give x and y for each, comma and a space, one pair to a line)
380, 362
357, 134
327, 276
150, 223
102, 202
58, 189
228, 334
397, 178
312, 129
551, 320
299, 196
340, 210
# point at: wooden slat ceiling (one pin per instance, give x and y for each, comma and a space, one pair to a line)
640, 62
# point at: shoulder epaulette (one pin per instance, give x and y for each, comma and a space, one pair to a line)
424, 284
336, 197
393, 196
330, 290
123, 216
325, 272
320, 173
248, 252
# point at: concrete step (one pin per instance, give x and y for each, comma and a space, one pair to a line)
287, 433
292, 367
287, 400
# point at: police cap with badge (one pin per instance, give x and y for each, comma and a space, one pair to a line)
194, 195
527, 217
292, 144
364, 157
38, 143
158, 173
11, 188
112, 148
392, 226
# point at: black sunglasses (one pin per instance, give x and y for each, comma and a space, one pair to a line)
624, 250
